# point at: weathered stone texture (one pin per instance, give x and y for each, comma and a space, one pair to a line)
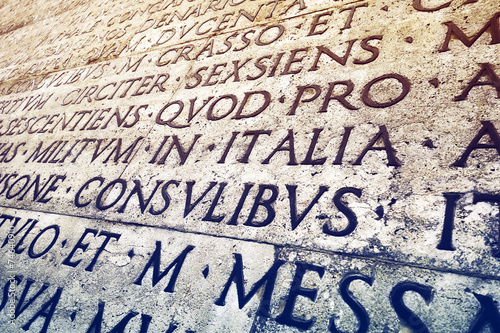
249, 166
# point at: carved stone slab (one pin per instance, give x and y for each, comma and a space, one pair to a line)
249, 166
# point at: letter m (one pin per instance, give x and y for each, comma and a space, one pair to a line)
268, 279
40, 155
119, 154
157, 275
128, 66
453, 30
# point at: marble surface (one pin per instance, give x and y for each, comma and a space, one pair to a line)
249, 166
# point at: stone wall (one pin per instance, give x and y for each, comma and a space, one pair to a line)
249, 166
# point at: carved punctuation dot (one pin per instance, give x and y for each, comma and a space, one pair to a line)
429, 144
434, 82
206, 271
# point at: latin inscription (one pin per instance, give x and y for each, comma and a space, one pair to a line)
354, 144
157, 272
